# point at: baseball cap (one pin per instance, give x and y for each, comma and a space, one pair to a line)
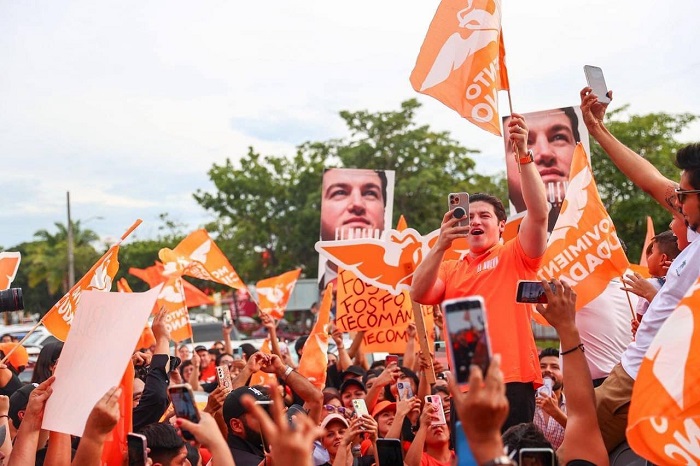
233, 408
18, 402
334, 417
383, 406
352, 370
19, 357
350, 382
199, 348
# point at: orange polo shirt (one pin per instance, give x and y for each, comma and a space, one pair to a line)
494, 275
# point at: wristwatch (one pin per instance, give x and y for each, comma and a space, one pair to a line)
500, 460
529, 157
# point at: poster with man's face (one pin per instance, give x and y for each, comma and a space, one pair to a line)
552, 137
355, 203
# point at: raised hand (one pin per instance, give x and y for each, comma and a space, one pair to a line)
639, 285
105, 415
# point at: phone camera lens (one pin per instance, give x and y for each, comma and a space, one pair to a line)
459, 212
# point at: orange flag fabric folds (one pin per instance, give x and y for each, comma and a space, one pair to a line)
154, 276
314, 359
9, 263
274, 293
647, 240
664, 416
584, 249
461, 62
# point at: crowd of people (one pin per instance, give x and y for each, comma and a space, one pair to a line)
527, 398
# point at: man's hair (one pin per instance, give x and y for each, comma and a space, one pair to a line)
688, 159
439, 389
573, 119
163, 441
498, 207
667, 243
549, 352
524, 435
382, 177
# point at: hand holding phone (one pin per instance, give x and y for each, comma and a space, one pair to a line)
360, 407
596, 81
392, 358
438, 413
458, 203
536, 457
183, 403
223, 374
532, 292
467, 336
404, 390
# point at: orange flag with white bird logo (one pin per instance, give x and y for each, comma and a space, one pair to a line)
273, 293
9, 263
314, 359
583, 249
462, 60
664, 417
154, 276
59, 318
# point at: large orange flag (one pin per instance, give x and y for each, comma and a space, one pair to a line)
647, 240
314, 359
154, 276
9, 263
274, 293
461, 62
583, 249
115, 445
664, 417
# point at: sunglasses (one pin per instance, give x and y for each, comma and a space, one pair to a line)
682, 193
332, 408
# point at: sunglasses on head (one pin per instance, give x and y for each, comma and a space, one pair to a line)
682, 193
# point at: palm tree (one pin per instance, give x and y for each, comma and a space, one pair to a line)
47, 256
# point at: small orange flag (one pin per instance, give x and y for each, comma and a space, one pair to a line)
584, 249
154, 276
274, 293
314, 359
9, 263
461, 62
647, 241
664, 417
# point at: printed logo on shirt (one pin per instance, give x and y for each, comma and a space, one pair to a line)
680, 268
487, 265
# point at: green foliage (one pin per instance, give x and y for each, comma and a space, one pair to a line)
653, 137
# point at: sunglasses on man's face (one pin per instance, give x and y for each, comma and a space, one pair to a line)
682, 193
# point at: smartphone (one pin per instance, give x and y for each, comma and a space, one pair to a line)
389, 451
441, 354
136, 444
226, 317
360, 407
532, 292
467, 336
391, 358
223, 373
436, 401
458, 203
238, 353
462, 449
596, 81
183, 402
536, 457
404, 390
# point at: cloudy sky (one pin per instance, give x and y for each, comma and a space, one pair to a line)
128, 104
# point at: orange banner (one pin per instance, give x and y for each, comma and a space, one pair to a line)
461, 62
664, 417
647, 241
9, 263
273, 293
394, 339
314, 360
584, 249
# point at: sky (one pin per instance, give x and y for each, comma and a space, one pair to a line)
128, 104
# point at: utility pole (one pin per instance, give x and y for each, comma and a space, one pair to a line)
71, 257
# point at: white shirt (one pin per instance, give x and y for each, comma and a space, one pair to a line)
605, 329
643, 304
683, 272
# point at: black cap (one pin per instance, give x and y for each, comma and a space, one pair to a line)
200, 348
354, 371
18, 402
232, 405
350, 382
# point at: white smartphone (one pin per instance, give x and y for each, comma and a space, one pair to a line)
360, 407
596, 81
436, 401
458, 203
404, 390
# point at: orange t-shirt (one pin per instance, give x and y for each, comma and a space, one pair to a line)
427, 460
494, 275
208, 374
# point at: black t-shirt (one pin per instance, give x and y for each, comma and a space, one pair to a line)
12, 386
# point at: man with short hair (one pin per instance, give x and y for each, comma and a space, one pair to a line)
165, 446
244, 437
550, 412
207, 369
492, 269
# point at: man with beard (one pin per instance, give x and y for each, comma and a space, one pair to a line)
550, 412
683, 201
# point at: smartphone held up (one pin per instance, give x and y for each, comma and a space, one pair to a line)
596, 81
532, 292
467, 336
184, 405
458, 203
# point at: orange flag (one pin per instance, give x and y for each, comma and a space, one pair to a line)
172, 297
461, 62
583, 249
664, 416
274, 293
647, 241
314, 359
154, 276
115, 445
9, 263
147, 339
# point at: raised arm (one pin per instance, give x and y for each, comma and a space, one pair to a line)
533, 229
634, 166
100, 423
582, 437
271, 326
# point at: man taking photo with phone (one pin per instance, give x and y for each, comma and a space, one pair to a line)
492, 269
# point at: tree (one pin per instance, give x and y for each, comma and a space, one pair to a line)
653, 137
272, 203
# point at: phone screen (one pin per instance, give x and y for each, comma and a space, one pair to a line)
536, 457
441, 354
389, 451
183, 403
532, 292
468, 338
404, 390
238, 353
136, 444
596, 81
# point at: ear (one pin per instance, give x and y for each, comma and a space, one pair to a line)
236, 427
20, 414
663, 259
501, 227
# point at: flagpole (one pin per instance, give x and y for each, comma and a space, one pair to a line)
7, 356
629, 301
515, 147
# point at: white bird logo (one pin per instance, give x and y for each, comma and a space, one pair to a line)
574, 204
200, 254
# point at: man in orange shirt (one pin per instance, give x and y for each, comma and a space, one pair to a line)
492, 269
